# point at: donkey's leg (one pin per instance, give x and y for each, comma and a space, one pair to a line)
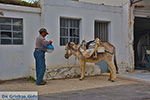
112, 69
82, 66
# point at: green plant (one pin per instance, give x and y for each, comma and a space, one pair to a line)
30, 78
21, 3
30, 4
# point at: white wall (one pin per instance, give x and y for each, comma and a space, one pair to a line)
107, 2
127, 40
144, 10
16, 60
54, 9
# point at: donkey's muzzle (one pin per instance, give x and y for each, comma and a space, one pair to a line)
66, 56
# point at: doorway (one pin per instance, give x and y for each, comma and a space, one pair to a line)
142, 43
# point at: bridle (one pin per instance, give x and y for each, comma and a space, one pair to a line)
71, 47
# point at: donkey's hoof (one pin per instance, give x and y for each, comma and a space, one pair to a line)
112, 80
81, 79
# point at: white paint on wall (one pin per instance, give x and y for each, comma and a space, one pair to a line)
16, 60
142, 9
107, 2
88, 13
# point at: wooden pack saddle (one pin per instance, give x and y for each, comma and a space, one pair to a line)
91, 48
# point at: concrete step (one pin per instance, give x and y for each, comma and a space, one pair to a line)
137, 75
67, 71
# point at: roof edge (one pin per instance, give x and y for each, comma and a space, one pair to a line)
17, 8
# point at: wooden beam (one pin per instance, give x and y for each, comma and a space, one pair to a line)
135, 1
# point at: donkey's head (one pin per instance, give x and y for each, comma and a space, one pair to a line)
70, 48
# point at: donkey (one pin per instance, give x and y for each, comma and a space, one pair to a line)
109, 56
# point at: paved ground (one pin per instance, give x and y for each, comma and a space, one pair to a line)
91, 88
121, 92
140, 75
59, 86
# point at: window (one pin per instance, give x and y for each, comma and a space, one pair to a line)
101, 30
11, 31
69, 31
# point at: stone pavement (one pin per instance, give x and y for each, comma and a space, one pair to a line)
91, 88
137, 91
59, 86
137, 75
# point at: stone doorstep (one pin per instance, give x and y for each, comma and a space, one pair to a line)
67, 71
137, 75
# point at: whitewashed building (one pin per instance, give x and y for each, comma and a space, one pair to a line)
66, 20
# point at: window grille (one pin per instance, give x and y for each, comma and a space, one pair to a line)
101, 30
69, 31
11, 31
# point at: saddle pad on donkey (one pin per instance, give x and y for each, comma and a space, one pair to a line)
87, 53
100, 49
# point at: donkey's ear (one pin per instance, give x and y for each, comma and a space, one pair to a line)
68, 43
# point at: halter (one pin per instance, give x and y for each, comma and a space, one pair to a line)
72, 47
75, 50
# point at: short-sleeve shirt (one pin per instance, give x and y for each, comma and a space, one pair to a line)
41, 42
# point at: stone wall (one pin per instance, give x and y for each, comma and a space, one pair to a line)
68, 71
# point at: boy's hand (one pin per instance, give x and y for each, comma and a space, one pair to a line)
50, 41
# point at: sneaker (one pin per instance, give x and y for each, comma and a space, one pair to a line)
42, 83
